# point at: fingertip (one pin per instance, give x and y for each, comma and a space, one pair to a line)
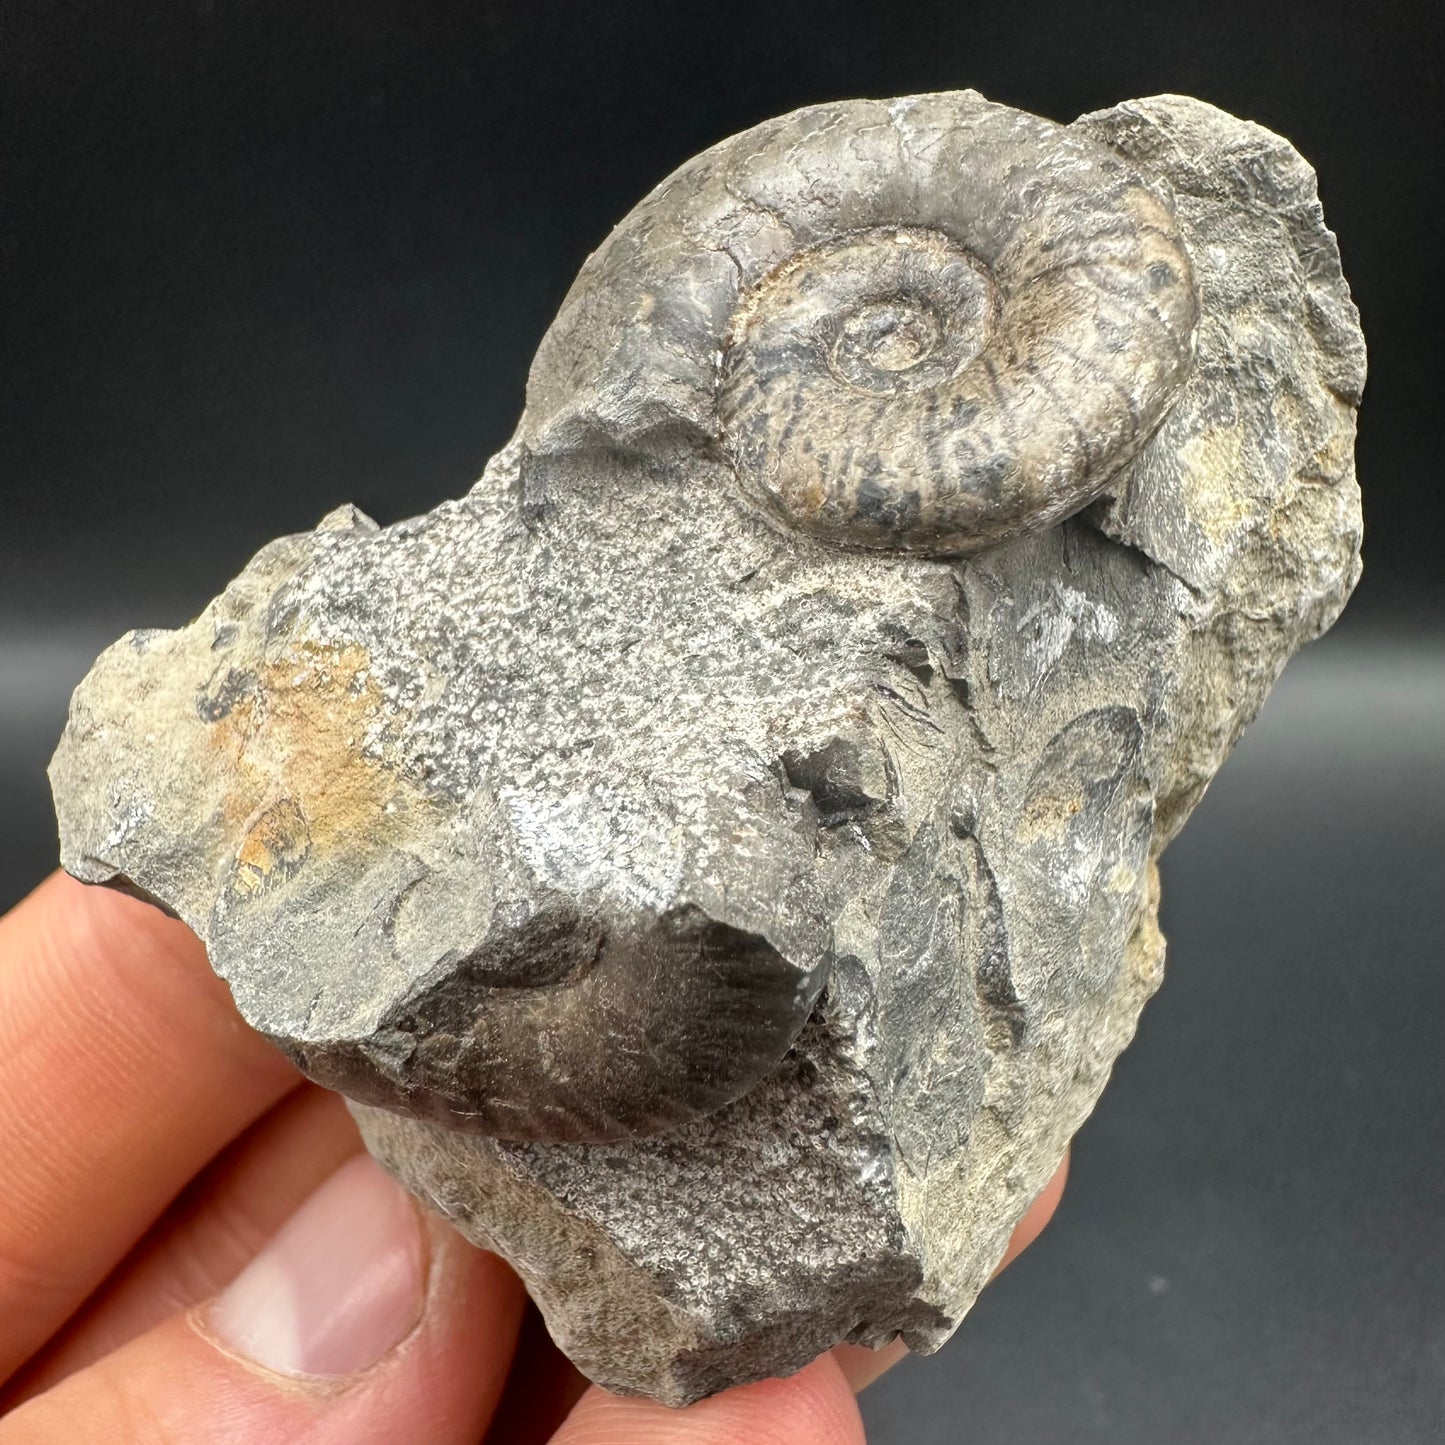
205, 1238
861, 1365
813, 1407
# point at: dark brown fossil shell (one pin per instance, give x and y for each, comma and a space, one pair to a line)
925, 325
637, 1034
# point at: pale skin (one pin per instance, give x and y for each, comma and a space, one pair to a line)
169, 1190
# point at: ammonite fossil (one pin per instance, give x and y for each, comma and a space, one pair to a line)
716, 856
957, 328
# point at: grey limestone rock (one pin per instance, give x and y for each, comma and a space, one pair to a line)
716, 856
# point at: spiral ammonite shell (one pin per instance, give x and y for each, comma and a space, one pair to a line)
923, 325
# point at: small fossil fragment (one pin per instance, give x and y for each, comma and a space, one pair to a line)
716, 856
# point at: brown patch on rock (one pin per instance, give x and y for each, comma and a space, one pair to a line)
298, 748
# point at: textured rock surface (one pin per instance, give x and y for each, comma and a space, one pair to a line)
722, 912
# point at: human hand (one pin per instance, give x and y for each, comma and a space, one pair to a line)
194, 1246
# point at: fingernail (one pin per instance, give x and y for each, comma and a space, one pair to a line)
339, 1286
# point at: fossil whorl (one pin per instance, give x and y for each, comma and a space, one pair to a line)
562, 1033
925, 325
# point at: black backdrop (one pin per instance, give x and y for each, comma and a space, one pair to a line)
261, 258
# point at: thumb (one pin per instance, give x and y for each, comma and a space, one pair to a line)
360, 1321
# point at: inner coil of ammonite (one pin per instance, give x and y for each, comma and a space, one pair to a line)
890, 389
824, 343
886, 310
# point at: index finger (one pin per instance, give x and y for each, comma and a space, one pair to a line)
124, 1067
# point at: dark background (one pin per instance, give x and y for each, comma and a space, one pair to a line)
259, 259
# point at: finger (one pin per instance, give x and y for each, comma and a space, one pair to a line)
813, 1407
541, 1390
206, 1237
862, 1366
362, 1322
124, 1066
